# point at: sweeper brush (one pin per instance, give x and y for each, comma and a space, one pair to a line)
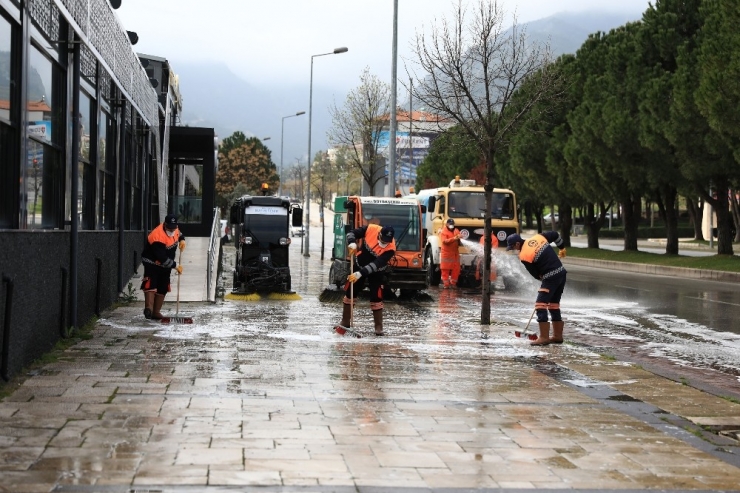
263, 296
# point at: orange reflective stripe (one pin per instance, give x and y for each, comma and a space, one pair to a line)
554, 306
541, 306
543, 290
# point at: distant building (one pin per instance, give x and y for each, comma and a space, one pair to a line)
415, 132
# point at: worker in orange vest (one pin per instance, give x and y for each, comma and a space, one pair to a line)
449, 261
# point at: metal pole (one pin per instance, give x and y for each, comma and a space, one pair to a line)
308, 185
282, 133
392, 137
74, 233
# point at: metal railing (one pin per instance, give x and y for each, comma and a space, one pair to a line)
213, 257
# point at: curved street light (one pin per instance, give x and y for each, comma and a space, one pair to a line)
336, 51
282, 133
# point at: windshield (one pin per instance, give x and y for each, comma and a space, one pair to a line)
473, 204
266, 224
403, 218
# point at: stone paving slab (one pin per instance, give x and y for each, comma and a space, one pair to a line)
316, 411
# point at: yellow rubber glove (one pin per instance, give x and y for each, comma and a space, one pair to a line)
182, 245
352, 248
179, 269
562, 253
354, 277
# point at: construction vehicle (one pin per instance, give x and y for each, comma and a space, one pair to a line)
261, 226
464, 201
406, 271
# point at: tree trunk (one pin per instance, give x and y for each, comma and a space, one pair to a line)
670, 216
631, 220
566, 222
735, 208
695, 216
724, 220
592, 226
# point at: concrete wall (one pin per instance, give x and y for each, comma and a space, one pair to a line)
38, 265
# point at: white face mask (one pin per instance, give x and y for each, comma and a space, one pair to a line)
169, 232
382, 245
450, 227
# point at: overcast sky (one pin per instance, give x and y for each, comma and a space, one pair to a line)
273, 40
270, 42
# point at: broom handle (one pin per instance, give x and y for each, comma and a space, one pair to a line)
179, 262
530, 319
352, 293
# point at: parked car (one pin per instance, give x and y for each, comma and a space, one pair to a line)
547, 218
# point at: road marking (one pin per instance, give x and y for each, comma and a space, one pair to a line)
630, 287
712, 301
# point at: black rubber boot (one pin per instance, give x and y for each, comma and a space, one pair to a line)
346, 315
378, 319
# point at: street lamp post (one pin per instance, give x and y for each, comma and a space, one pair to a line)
282, 133
308, 186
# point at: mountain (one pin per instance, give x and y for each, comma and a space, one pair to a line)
567, 31
214, 96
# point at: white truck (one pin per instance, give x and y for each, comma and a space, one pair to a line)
464, 202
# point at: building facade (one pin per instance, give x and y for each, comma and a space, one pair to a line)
82, 174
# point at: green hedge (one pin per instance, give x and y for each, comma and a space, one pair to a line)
645, 233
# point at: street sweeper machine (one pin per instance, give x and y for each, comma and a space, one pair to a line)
406, 271
262, 239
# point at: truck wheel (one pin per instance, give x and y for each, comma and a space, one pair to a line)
434, 275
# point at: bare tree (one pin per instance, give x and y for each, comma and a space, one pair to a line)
357, 125
468, 71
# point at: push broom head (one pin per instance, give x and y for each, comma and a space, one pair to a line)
531, 337
284, 296
243, 297
266, 296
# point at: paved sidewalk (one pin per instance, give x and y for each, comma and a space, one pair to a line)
264, 394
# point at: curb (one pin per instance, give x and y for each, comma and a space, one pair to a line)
657, 270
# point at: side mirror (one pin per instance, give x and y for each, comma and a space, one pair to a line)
423, 209
432, 202
296, 217
234, 214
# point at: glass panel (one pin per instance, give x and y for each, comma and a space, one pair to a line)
189, 199
5, 69
473, 204
403, 218
40, 190
102, 136
39, 103
8, 176
85, 105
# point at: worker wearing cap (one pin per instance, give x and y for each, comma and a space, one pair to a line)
449, 255
375, 251
544, 264
158, 258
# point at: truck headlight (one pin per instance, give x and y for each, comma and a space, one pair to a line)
284, 241
248, 240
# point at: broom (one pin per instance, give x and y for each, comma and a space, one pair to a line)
176, 319
529, 335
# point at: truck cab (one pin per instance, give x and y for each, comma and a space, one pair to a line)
406, 269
